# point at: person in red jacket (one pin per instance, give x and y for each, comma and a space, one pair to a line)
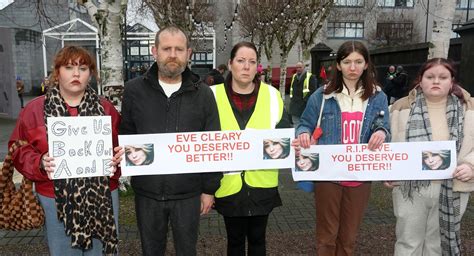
81, 214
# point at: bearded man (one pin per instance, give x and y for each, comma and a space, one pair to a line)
170, 98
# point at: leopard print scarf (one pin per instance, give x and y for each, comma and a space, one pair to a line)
84, 216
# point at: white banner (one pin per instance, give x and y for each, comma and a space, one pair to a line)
392, 161
81, 146
172, 153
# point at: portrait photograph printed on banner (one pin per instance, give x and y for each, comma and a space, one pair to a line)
436, 159
307, 162
136, 155
276, 148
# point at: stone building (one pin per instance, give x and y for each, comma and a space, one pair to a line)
21, 45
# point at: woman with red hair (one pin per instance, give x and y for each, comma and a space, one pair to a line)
81, 214
429, 212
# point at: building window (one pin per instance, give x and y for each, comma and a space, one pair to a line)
462, 4
394, 31
395, 3
349, 3
455, 26
345, 29
201, 58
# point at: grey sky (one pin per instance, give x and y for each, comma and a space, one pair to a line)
132, 17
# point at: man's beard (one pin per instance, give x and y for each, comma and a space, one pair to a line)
164, 70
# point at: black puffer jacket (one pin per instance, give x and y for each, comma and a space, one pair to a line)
147, 109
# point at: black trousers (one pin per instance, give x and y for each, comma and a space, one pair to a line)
239, 228
153, 217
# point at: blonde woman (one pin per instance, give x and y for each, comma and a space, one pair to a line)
139, 154
276, 148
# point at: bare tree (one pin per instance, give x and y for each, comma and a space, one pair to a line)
108, 17
441, 33
286, 22
312, 17
194, 17
45, 14
260, 33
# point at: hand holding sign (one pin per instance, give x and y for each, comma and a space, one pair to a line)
464, 172
47, 164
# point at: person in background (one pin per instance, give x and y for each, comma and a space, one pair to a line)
45, 85
352, 97
20, 89
216, 76
246, 198
436, 109
391, 73
170, 98
388, 84
261, 73
400, 84
303, 84
82, 213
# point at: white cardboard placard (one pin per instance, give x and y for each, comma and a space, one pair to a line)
218, 151
392, 161
81, 146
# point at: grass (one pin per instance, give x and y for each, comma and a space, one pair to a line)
127, 207
381, 197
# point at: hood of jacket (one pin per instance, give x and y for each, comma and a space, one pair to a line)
402, 103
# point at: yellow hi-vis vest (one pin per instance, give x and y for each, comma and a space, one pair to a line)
305, 84
266, 115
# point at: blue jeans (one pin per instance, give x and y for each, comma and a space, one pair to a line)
60, 244
153, 217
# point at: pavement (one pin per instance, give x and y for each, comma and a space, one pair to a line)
296, 214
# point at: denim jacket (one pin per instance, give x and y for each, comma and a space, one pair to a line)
331, 118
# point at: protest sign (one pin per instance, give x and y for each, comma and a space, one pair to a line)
81, 146
172, 153
391, 161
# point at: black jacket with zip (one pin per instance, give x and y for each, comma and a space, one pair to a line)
147, 109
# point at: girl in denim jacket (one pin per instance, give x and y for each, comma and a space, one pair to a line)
355, 110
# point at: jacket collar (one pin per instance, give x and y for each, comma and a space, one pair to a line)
189, 79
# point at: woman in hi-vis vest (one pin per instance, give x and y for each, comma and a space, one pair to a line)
246, 198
